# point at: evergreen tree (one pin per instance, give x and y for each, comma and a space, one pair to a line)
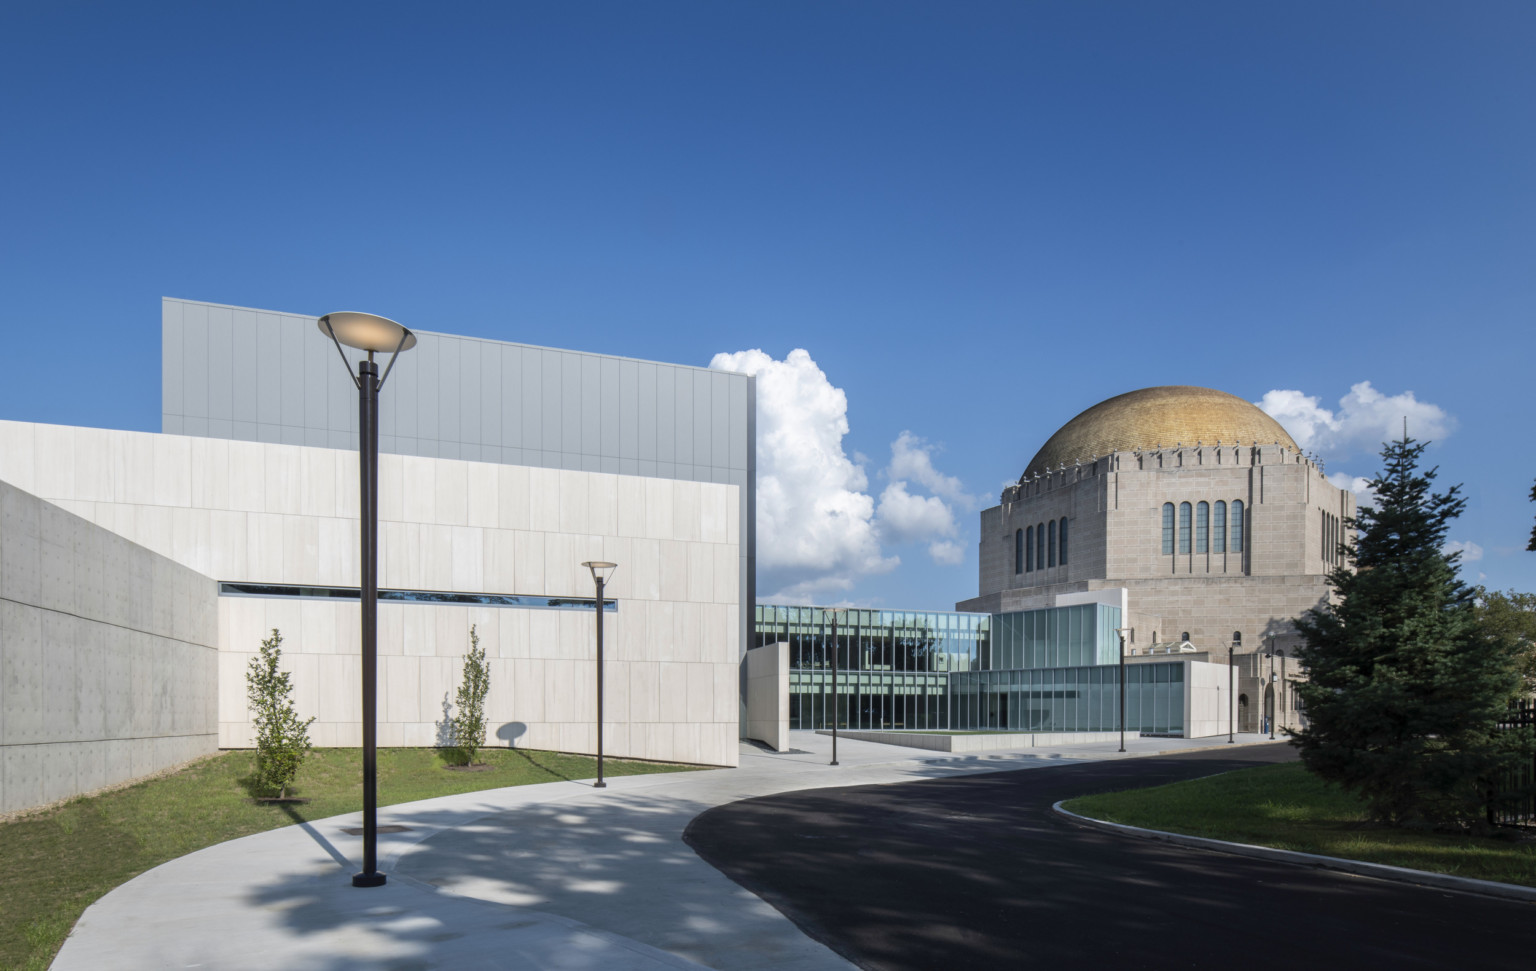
282, 740
1405, 686
1531, 546
469, 723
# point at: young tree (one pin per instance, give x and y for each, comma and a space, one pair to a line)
282, 740
1405, 687
469, 722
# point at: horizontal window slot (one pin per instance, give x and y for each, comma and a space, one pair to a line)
289, 591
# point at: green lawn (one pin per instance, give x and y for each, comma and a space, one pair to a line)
1285, 806
57, 862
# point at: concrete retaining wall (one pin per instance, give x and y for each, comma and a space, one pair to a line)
108, 656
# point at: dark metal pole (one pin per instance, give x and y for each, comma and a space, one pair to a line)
1231, 698
368, 450
1274, 700
599, 784
1122, 690
1280, 686
835, 698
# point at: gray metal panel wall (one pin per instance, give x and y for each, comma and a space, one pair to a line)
263, 375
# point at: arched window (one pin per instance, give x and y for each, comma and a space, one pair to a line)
1219, 529
1029, 549
1051, 528
1184, 527
1018, 551
1237, 525
1039, 546
1202, 527
1063, 541
1167, 529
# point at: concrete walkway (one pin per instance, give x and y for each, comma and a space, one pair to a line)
558, 876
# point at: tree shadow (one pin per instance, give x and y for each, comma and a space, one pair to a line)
446, 749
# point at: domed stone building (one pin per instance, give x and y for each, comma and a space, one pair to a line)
1192, 510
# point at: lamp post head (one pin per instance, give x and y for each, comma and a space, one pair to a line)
601, 569
366, 332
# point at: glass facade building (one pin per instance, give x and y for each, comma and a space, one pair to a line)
1077, 699
893, 665
1049, 670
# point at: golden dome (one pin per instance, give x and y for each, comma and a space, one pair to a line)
1152, 417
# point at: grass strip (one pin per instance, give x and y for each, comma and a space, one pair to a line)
59, 861
1286, 807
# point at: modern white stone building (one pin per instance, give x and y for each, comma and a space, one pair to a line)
491, 497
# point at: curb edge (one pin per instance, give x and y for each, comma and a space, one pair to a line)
1380, 871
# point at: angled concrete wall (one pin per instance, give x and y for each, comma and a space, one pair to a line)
108, 656
768, 695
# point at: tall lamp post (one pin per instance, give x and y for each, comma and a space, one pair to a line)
836, 699
376, 335
601, 571
1122, 631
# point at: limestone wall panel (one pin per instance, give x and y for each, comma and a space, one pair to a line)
264, 513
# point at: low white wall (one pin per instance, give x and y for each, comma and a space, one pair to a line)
1208, 703
285, 514
108, 656
977, 743
768, 695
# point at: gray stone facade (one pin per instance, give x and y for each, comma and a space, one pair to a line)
1114, 508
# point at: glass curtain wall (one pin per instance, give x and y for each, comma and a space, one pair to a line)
893, 666
1049, 670
1054, 637
1076, 699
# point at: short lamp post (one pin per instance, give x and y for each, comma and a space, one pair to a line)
836, 698
601, 571
1237, 640
1279, 690
376, 335
1122, 632
1274, 701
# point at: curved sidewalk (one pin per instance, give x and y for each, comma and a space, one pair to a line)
559, 876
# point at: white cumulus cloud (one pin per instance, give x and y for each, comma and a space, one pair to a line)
1364, 419
816, 527
946, 553
912, 458
1358, 484
905, 518
1470, 551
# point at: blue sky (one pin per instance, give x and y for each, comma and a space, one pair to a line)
977, 219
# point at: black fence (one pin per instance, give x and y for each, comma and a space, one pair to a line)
1512, 796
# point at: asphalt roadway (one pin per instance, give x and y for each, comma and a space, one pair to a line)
978, 872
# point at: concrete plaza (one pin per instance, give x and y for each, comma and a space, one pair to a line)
558, 876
